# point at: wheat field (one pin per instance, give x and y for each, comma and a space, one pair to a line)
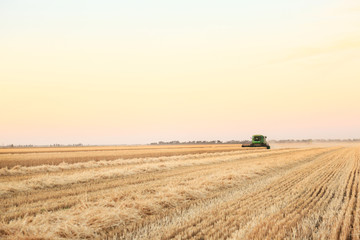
180, 192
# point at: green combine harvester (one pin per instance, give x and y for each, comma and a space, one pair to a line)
258, 141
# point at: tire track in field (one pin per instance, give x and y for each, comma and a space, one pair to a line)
276, 226
351, 208
205, 226
356, 214
345, 225
313, 195
255, 202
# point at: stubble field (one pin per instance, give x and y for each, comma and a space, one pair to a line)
180, 192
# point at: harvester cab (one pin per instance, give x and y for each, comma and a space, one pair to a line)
258, 141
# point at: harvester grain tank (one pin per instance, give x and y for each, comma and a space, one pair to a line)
258, 141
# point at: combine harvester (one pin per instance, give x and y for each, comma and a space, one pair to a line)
258, 141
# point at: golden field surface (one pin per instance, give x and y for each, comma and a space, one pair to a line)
181, 192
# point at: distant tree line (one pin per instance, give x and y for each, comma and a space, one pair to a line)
314, 140
200, 142
66, 145
247, 141
51, 145
293, 141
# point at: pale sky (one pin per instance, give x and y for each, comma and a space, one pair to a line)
135, 72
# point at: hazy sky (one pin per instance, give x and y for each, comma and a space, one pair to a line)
124, 72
